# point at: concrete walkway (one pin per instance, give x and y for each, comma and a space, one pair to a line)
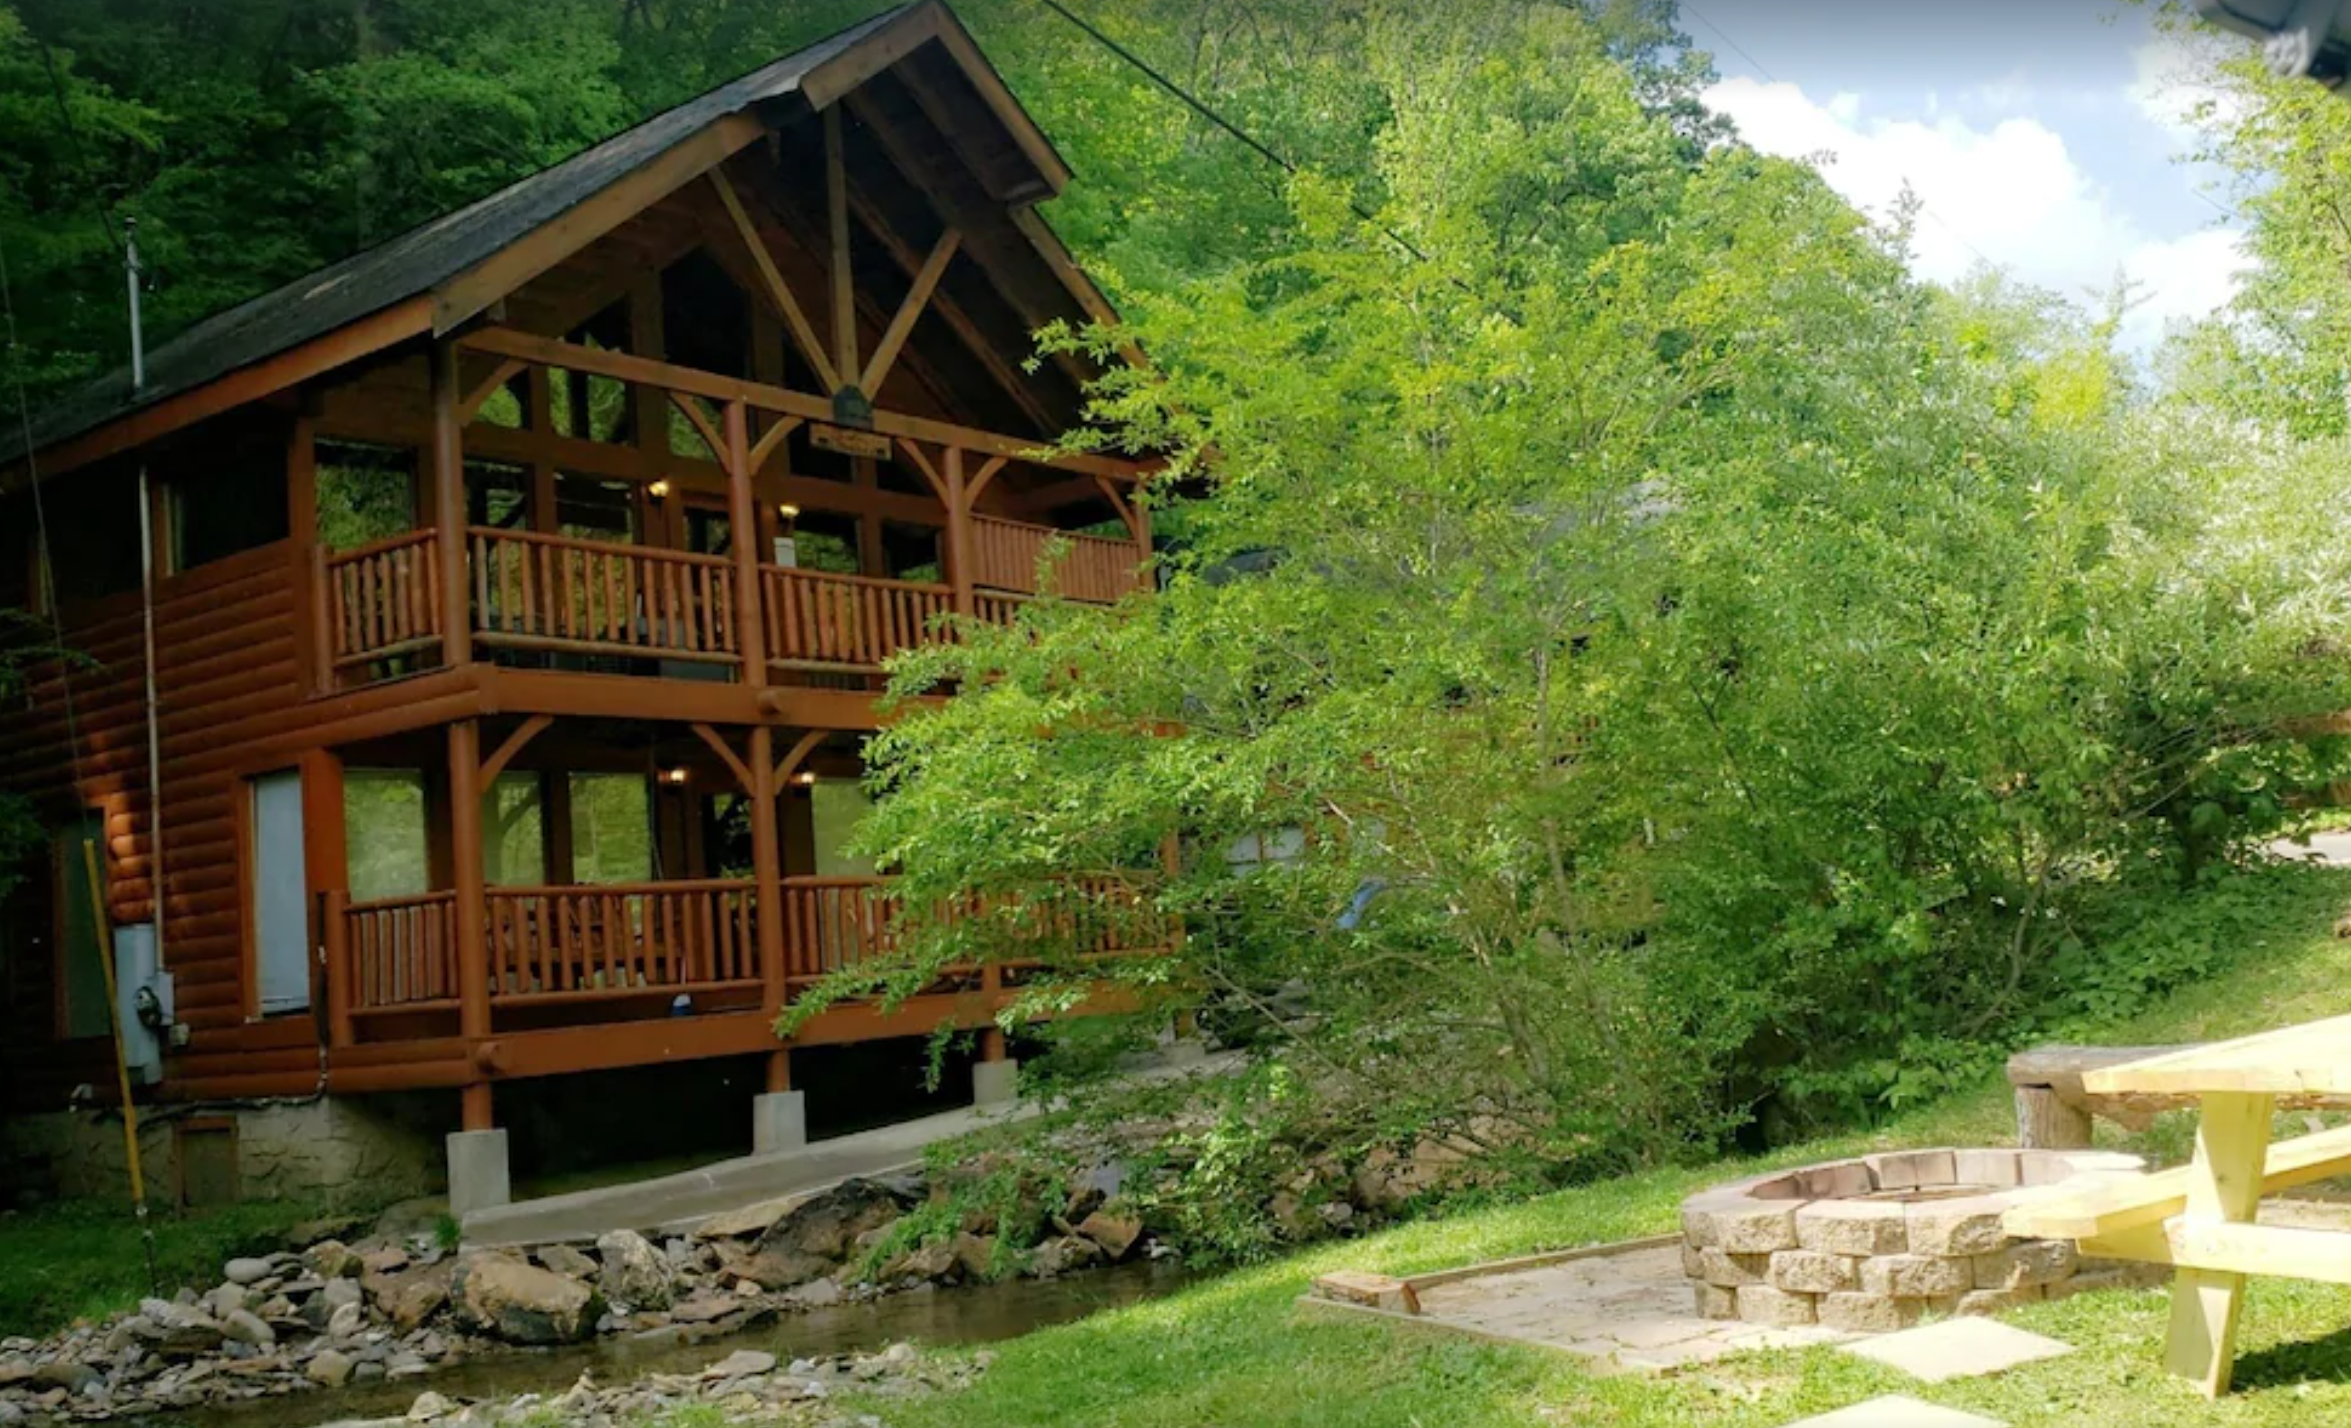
758, 1184
2332, 849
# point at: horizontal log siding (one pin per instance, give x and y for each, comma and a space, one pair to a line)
228, 678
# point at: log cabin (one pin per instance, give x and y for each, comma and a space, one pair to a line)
519, 594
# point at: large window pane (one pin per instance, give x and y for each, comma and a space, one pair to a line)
514, 836
611, 828
365, 493
384, 833
835, 806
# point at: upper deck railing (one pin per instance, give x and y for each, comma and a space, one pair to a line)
381, 615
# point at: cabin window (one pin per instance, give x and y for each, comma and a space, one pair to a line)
388, 851
590, 509
726, 835
708, 531
824, 541
81, 971
835, 807
497, 494
365, 493
611, 828
912, 552
92, 520
227, 493
280, 895
514, 837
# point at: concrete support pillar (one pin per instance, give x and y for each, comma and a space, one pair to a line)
779, 1122
478, 1177
995, 1083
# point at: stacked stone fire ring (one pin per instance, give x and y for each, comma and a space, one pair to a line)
1875, 1244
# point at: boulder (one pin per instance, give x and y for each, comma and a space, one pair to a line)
329, 1368
1115, 1233
346, 1322
635, 1274
246, 1327
565, 1260
341, 1294
774, 1268
523, 1304
412, 1298
175, 1330
828, 1223
975, 1255
332, 1259
818, 1294
742, 1363
1059, 1256
935, 1261
73, 1377
246, 1270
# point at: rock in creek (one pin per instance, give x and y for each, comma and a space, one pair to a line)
829, 1224
635, 1275
522, 1304
565, 1260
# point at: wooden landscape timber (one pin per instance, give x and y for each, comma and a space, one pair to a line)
636, 469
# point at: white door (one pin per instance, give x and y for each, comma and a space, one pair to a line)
281, 913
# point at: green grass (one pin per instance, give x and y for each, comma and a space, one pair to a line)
84, 1259
1236, 1352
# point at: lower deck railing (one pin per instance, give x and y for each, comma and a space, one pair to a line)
550, 946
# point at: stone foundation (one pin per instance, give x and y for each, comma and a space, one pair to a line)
1875, 1244
339, 1151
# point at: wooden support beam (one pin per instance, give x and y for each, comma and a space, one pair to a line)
743, 520
918, 297
472, 911
726, 754
836, 183
692, 407
496, 764
987, 472
922, 463
961, 570
779, 293
446, 460
1118, 503
770, 440
623, 367
2224, 1188
790, 763
487, 388
767, 870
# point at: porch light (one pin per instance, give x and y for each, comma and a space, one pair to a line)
673, 776
805, 779
788, 511
657, 490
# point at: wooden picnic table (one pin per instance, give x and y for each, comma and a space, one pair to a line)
2208, 1232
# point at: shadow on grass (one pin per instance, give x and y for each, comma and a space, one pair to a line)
2321, 1360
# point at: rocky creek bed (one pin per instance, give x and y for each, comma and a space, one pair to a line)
381, 1311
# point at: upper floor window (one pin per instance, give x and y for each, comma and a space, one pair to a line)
227, 488
365, 493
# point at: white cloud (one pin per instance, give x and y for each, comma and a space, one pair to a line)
2171, 84
2011, 194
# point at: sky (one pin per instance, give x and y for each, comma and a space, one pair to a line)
2046, 138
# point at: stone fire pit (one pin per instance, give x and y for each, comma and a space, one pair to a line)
1871, 1245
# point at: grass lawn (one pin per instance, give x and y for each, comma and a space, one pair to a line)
83, 1258
1235, 1352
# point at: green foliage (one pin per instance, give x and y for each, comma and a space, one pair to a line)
82, 1259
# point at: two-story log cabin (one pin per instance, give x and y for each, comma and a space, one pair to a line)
519, 594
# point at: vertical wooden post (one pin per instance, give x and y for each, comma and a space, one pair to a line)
844, 287
1142, 529
743, 517
307, 549
767, 867
959, 555
540, 391
465, 858
448, 471
325, 873
2224, 1187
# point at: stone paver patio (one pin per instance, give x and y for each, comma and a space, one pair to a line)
1958, 1348
1633, 1310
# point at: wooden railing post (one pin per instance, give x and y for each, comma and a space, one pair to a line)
767, 868
465, 859
743, 520
447, 461
333, 906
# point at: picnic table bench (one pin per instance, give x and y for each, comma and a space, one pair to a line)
2201, 1217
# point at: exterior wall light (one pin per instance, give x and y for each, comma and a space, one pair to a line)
674, 776
788, 511
805, 780
657, 490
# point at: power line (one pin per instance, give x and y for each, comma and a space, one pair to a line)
1199, 107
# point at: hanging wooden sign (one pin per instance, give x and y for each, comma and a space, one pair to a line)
849, 442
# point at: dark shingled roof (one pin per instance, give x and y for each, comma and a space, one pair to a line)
420, 259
